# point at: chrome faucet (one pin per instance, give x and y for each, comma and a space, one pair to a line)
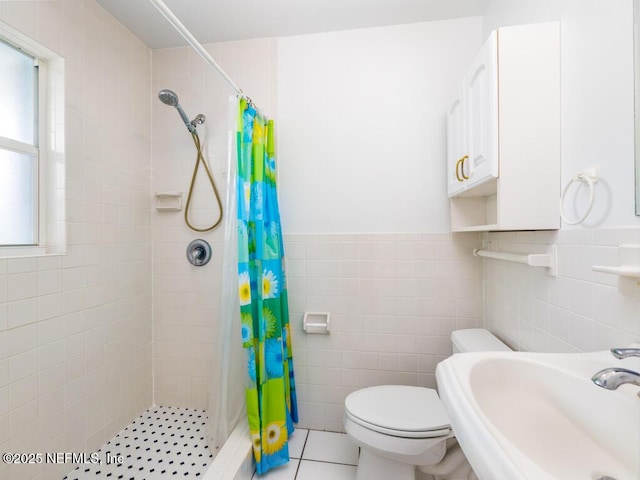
625, 352
612, 378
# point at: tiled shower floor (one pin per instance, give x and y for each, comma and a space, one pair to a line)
163, 443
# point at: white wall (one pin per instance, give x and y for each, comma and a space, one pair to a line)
323, 191
394, 298
597, 97
580, 310
186, 300
362, 182
75, 330
362, 126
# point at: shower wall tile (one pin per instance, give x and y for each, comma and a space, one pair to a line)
579, 310
394, 300
75, 329
187, 299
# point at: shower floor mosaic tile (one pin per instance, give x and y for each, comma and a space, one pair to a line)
163, 443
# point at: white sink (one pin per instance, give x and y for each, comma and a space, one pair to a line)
539, 416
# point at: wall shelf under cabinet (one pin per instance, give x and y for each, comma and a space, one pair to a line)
479, 228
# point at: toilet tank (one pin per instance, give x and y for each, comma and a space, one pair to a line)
476, 340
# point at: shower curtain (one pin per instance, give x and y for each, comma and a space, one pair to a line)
266, 338
226, 398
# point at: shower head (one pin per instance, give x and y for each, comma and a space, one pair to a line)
169, 97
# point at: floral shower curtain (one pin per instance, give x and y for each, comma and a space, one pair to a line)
266, 336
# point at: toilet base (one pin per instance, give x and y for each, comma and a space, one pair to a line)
374, 467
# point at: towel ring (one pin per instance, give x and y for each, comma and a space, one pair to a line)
588, 178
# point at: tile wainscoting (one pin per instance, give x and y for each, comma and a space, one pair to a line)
579, 310
394, 300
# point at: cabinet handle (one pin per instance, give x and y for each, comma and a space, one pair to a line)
460, 169
458, 177
466, 157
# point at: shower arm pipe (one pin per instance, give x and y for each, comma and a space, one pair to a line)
186, 34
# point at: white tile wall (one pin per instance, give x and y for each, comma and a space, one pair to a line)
579, 310
187, 299
75, 330
394, 300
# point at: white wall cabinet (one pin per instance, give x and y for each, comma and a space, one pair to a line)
472, 123
503, 134
456, 147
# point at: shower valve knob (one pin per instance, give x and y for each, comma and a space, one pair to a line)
199, 252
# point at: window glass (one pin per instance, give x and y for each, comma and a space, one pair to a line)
18, 198
18, 98
18, 147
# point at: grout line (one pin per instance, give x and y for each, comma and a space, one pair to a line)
301, 459
326, 461
304, 445
295, 476
306, 438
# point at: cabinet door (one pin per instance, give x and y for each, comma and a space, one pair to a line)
481, 107
456, 146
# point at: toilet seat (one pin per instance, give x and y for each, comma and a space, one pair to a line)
399, 410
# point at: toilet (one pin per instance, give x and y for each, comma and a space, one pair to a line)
399, 427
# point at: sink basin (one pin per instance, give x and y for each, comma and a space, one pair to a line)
538, 416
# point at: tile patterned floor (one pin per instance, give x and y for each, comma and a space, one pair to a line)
163, 443
169, 443
317, 455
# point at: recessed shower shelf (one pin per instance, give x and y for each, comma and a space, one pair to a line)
168, 201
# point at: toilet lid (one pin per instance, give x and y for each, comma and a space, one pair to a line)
398, 408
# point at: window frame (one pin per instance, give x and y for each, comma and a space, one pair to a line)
50, 224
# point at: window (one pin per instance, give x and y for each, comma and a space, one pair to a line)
19, 178
32, 142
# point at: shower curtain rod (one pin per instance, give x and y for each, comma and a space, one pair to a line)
186, 34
